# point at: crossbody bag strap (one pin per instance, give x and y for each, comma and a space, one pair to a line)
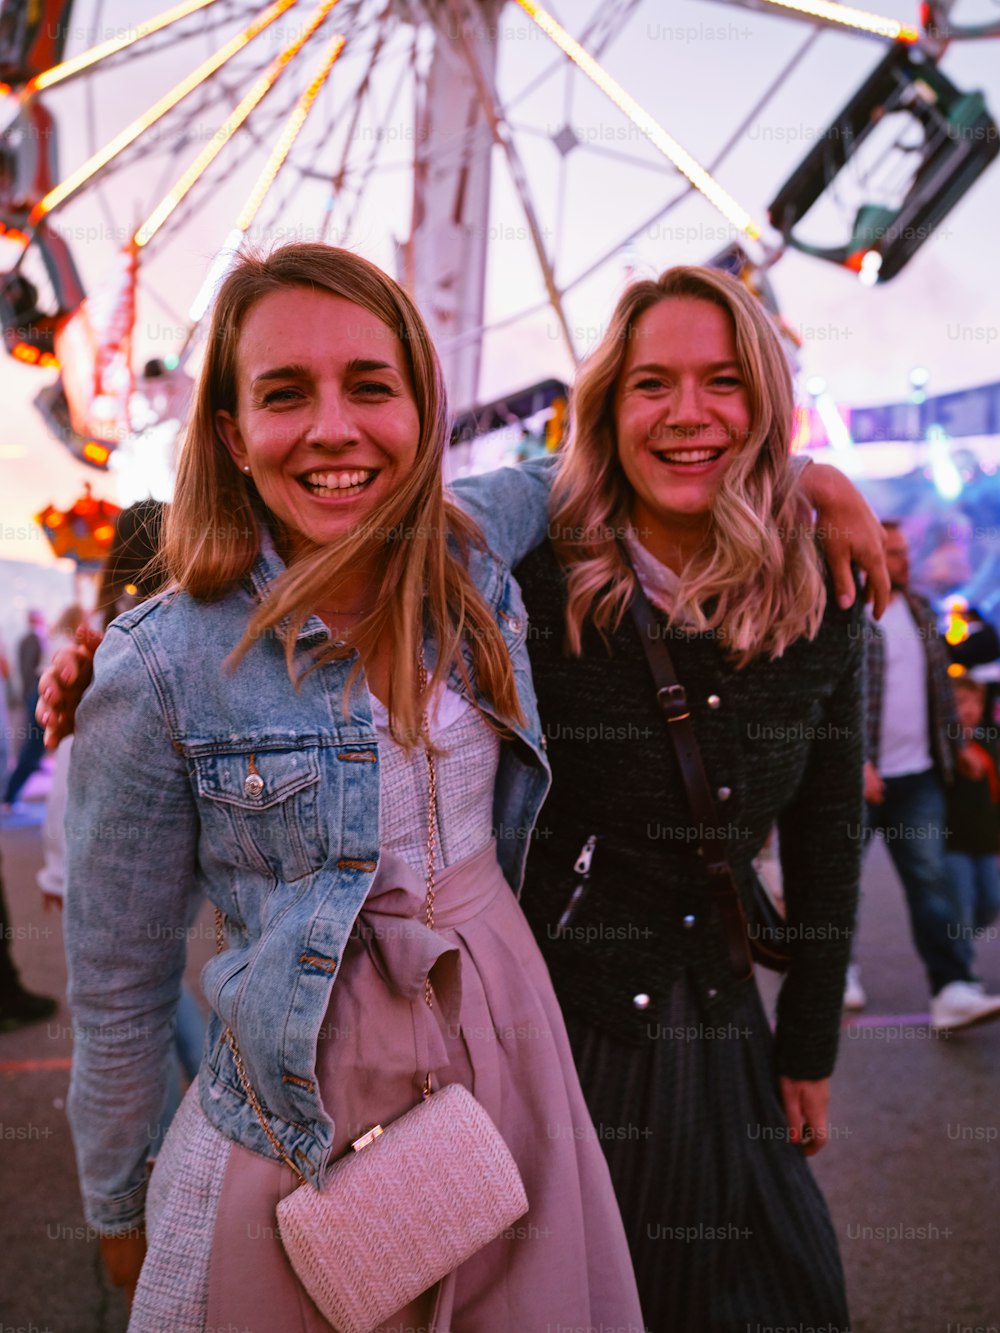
672, 699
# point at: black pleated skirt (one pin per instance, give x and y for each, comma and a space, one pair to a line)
728, 1229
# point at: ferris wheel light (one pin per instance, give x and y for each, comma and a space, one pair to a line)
871, 263
60, 73
289, 134
836, 428
223, 260
846, 16
258, 91
187, 85
651, 128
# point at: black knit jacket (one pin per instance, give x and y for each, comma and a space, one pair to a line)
781, 742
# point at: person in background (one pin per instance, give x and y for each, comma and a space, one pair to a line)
4, 714
914, 747
973, 824
18, 1005
32, 656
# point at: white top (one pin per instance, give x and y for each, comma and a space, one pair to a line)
904, 746
466, 774
659, 582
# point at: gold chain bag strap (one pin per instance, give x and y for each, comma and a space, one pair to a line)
412, 1201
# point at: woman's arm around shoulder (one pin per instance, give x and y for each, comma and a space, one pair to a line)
510, 505
131, 831
848, 531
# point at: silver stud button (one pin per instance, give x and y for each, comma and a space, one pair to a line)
254, 786
515, 625
641, 1001
689, 921
724, 793
714, 701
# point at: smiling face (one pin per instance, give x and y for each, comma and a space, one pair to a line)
681, 411
326, 417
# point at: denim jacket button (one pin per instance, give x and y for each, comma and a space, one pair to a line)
253, 786
515, 625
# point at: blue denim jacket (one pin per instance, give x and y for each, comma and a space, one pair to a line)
188, 778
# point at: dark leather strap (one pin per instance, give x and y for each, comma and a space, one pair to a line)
672, 698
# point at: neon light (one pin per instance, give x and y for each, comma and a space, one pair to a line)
121, 141
836, 431
958, 628
641, 118
848, 17
228, 128
945, 475
60, 73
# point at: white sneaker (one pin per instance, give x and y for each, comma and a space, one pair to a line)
961, 1005
854, 995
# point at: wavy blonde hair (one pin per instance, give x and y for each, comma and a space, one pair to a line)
757, 580
419, 539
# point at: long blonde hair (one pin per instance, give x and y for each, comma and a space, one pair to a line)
420, 540
757, 579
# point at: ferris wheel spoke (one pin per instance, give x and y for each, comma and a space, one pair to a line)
502, 136
358, 180
600, 150
840, 16
262, 186
86, 60
598, 35
258, 91
682, 160
360, 96
99, 160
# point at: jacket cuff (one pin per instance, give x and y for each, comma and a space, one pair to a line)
117, 1216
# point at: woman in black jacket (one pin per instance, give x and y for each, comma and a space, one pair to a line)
676, 473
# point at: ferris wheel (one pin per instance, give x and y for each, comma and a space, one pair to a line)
139, 154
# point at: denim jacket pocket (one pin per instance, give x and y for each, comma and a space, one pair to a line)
262, 807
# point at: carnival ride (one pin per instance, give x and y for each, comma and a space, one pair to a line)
298, 108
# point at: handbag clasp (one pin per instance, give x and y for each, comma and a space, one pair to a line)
374, 1133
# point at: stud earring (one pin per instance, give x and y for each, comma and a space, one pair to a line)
246, 467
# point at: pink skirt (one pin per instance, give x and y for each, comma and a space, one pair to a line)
495, 1026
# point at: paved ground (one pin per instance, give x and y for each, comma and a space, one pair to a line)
912, 1173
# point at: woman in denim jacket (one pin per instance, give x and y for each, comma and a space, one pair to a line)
260, 734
